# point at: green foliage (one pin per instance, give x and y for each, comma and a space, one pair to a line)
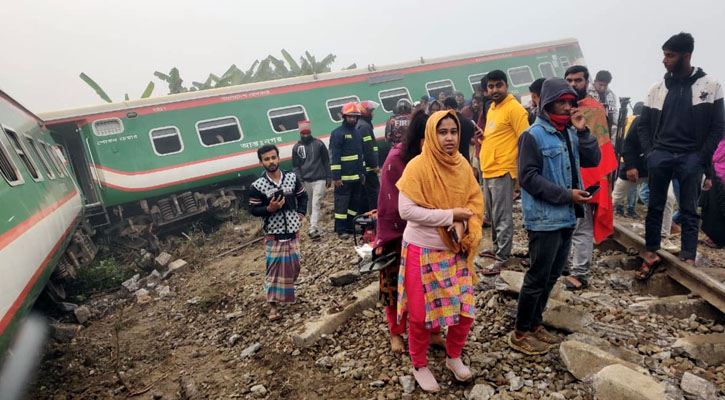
102, 274
269, 68
102, 94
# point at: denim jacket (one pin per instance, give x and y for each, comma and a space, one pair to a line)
539, 214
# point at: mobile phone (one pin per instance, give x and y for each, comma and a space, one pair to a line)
592, 190
278, 195
454, 234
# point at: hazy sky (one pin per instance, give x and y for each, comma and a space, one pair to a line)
120, 44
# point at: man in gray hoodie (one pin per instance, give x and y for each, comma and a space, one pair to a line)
311, 164
550, 154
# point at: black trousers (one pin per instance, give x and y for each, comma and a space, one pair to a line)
347, 204
687, 169
548, 251
371, 190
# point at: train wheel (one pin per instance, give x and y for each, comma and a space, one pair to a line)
55, 291
227, 213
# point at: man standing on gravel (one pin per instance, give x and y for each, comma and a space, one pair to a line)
279, 197
681, 125
505, 122
550, 154
311, 163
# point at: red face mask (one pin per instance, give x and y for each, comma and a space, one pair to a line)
559, 121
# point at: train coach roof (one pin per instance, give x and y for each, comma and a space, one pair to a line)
9, 99
79, 112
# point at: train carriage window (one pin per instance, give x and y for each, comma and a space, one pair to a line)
218, 131
520, 76
547, 70
389, 98
334, 106
105, 127
48, 152
7, 167
475, 81
23, 154
166, 140
285, 119
564, 60
436, 87
43, 161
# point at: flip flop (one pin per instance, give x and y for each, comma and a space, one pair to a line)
487, 253
495, 269
274, 316
646, 269
574, 283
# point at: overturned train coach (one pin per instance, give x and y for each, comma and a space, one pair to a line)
42, 230
147, 164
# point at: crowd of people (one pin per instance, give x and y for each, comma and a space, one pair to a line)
457, 166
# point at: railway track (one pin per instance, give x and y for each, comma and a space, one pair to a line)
695, 279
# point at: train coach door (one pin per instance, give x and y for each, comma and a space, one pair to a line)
74, 144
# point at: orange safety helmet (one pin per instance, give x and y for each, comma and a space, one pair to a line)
367, 107
350, 108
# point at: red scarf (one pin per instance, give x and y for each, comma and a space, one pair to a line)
560, 121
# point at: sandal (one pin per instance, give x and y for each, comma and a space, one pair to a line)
487, 254
646, 269
274, 316
710, 243
495, 269
574, 283
525, 262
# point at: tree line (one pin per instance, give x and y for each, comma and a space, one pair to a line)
269, 68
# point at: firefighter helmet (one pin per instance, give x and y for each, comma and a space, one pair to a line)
367, 107
350, 108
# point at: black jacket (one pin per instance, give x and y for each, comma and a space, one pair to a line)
285, 222
708, 114
311, 161
632, 153
466, 134
370, 146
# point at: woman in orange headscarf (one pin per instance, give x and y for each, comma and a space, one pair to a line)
443, 204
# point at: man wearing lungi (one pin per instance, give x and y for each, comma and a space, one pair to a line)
279, 197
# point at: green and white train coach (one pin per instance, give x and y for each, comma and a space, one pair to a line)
41, 209
153, 162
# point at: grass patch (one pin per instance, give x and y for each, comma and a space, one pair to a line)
103, 274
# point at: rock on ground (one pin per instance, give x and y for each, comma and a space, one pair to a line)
567, 318
709, 349
617, 382
696, 388
343, 278
251, 350
584, 360
481, 392
163, 259
82, 314
408, 383
617, 351
64, 332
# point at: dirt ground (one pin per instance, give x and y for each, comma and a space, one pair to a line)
178, 347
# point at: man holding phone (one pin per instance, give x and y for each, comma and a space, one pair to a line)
550, 154
279, 197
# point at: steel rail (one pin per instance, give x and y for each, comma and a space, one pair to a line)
687, 275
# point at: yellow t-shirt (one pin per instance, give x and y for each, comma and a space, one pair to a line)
499, 149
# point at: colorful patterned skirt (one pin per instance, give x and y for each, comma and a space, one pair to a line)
447, 286
283, 268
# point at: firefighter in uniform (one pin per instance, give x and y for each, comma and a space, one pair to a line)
348, 173
370, 153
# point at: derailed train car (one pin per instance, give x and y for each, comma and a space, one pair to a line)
147, 164
41, 215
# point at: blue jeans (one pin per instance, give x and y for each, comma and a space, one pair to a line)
687, 168
644, 193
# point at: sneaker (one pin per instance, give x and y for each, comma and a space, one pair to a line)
425, 379
632, 214
542, 335
460, 370
670, 247
314, 234
527, 344
619, 211
343, 236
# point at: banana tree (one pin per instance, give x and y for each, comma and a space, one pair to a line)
102, 93
173, 79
